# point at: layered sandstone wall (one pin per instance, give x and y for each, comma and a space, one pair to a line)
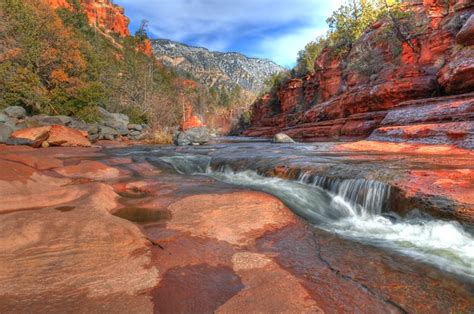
349, 98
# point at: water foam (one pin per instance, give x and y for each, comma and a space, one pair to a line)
354, 209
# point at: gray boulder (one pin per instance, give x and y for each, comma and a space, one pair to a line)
135, 127
79, 125
195, 136
93, 137
5, 133
4, 118
282, 138
113, 117
108, 133
117, 121
11, 122
93, 128
49, 120
123, 130
16, 112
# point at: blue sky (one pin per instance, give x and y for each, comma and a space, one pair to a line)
273, 29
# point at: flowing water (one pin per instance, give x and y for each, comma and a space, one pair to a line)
356, 209
329, 197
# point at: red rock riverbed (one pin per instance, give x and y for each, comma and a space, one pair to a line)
94, 230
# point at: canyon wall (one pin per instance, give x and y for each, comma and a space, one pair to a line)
102, 13
385, 89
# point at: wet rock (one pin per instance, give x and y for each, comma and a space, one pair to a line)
90, 170
5, 132
252, 214
282, 138
198, 136
16, 112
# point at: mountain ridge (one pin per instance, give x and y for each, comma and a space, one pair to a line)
215, 68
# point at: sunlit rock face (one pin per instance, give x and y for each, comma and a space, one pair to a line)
348, 99
190, 120
102, 13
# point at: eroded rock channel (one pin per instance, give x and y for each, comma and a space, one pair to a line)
237, 226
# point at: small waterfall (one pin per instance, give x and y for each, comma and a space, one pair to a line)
366, 198
188, 164
352, 208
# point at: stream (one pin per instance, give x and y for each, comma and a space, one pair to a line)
357, 209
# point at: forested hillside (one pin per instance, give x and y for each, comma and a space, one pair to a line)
55, 61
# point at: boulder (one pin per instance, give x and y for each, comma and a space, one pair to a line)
4, 118
5, 132
113, 117
35, 136
122, 130
136, 127
93, 137
79, 125
117, 121
195, 136
282, 138
55, 135
48, 120
16, 112
63, 136
108, 133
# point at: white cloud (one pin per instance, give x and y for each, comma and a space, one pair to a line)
284, 49
277, 29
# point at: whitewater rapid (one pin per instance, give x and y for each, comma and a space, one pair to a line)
354, 209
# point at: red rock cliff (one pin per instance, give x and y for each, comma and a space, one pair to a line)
353, 98
102, 13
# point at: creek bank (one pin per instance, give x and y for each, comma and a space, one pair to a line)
15, 124
187, 256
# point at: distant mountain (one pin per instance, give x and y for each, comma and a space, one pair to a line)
216, 69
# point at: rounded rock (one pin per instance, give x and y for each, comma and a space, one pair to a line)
16, 112
282, 138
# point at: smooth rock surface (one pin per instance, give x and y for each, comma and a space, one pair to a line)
282, 138
108, 230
